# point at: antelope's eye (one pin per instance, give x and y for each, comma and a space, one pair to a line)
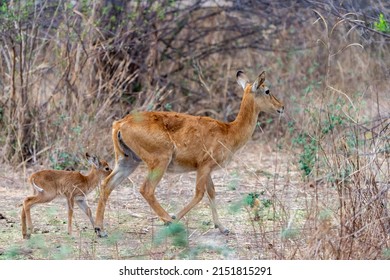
107, 169
267, 91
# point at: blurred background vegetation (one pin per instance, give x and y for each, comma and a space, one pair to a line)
68, 69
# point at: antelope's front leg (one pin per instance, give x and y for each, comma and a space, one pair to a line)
123, 168
82, 203
211, 196
201, 180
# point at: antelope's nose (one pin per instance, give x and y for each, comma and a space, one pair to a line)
281, 110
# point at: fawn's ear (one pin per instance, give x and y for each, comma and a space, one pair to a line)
242, 79
259, 81
93, 160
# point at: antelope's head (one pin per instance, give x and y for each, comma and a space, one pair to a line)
265, 100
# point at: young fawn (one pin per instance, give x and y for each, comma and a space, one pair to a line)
48, 184
175, 142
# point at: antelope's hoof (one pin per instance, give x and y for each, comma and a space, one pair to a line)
100, 233
224, 231
26, 236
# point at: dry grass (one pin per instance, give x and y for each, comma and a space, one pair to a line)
321, 173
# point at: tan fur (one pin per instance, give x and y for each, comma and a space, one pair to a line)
175, 142
48, 184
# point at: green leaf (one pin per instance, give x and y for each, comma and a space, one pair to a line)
382, 25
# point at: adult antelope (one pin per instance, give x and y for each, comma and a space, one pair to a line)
48, 184
169, 141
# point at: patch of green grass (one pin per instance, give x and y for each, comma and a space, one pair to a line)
289, 233
325, 214
12, 253
63, 252
234, 181
175, 232
386, 253
38, 244
113, 238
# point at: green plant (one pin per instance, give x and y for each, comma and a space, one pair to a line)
382, 25
235, 180
38, 243
61, 160
289, 233
307, 157
12, 253
251, 199
174, 231
114, 238
253, 203
310, 144
63, 252
386, 253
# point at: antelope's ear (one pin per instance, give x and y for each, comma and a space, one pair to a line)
260, 80
93, 160
242, 79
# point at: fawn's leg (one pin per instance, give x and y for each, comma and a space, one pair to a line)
39, 197
24, 225
70, 201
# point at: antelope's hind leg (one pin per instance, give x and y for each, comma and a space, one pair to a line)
148, 188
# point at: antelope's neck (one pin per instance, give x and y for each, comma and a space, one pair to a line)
244, 125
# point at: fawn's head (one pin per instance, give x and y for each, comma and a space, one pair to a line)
100, 165
265, 101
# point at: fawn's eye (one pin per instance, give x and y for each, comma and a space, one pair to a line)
267, 91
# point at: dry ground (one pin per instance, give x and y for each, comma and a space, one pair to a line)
134, 229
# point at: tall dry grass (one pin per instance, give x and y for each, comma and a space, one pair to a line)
338, 133
69, 69
68, 72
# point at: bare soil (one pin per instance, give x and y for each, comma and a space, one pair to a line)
134, 230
